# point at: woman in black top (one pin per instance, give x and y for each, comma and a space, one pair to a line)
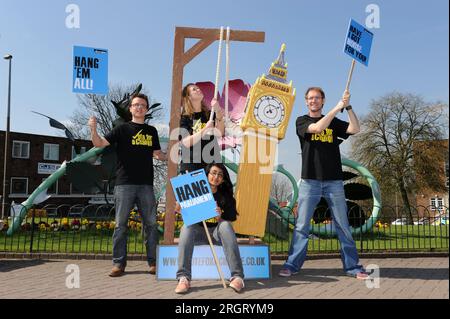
220, 227
198, 133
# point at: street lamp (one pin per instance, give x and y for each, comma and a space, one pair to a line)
6, 57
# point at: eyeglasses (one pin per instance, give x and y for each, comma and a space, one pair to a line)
310, 98
216, 174
137, 106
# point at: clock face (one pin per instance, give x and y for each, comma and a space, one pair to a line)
269, 111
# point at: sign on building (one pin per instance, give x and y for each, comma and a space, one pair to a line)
48, 168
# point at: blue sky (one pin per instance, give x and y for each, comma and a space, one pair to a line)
410, 52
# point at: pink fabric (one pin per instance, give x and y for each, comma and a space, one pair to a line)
238, 92
237, 96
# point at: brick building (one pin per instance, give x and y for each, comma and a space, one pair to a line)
31, 159
430, 203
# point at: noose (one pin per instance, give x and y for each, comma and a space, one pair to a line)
216, 84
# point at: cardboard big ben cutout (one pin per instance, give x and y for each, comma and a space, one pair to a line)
269, 106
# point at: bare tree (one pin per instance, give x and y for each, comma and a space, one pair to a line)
101, 107
388, 143
281, 188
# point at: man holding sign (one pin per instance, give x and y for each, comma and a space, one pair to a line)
136, 145
224, 212
322, 176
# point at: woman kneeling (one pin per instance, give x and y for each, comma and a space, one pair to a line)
219, 227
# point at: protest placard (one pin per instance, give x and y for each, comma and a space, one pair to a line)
90, 70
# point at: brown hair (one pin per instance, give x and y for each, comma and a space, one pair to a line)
141, 96
188, 108
315, 88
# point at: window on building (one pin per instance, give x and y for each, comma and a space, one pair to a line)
437, 203
82, 151
21, 149
53, 189
51, 152
19, 185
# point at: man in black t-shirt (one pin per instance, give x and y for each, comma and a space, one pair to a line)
136, 145
322, 176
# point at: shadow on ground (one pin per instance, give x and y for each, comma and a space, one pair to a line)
7, 265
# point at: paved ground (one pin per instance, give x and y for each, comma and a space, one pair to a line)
399, 278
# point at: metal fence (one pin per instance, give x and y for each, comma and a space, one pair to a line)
81, 229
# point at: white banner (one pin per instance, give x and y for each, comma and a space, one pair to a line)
47, 168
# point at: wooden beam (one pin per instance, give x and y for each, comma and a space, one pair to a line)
196, 50
172, 151
235, 35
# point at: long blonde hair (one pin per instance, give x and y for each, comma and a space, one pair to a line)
187, 107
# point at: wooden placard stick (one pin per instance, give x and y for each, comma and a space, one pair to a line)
347, 86
349, 79
216, 260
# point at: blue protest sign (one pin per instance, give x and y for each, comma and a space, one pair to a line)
358, 42
90, 70
194, 195
255, 260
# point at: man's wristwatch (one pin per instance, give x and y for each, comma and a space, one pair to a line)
348, 107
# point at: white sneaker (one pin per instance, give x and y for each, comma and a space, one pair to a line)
183, 286
237, 284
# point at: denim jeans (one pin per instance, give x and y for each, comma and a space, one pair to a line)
195, 234
310, 192
125, 197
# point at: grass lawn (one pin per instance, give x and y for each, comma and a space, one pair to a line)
92, 240
393, 238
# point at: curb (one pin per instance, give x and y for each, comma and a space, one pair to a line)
312, 256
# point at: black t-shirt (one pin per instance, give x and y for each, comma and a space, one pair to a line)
203, 153
227, 203
321, 158
135, 144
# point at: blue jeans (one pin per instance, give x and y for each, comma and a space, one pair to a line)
310, 192
125, 197
195, 234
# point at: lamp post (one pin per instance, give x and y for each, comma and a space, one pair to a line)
5, 155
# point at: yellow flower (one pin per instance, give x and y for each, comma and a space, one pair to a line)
98, 226
65, 221
84, 222
179, 224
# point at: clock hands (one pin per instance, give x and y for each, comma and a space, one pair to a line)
269, 111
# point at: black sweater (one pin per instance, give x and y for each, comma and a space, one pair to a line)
228, 205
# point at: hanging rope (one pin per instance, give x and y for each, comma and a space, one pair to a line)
219, 56
227, 73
